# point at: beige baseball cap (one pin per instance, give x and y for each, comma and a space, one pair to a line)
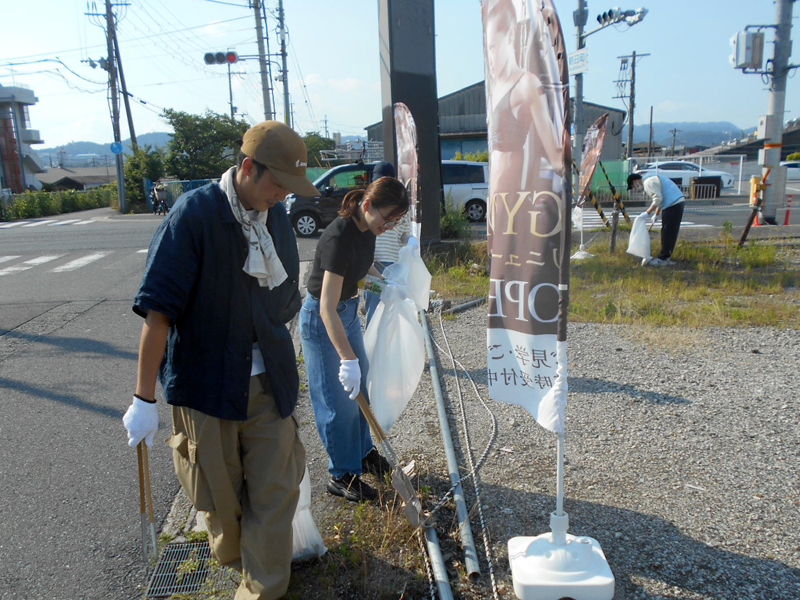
278, 147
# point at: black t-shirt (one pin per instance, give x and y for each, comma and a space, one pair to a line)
345, 250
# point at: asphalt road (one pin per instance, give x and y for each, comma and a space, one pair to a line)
68, 343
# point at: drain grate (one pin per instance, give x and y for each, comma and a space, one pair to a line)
185, 569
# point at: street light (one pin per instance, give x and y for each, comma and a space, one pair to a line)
610, 17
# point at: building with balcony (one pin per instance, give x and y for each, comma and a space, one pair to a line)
18, 162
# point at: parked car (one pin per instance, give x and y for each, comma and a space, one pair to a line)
466, 183
682, 172
310, 214
792, 169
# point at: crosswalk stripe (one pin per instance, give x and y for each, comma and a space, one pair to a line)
80, 262
84, 222
8, 258
14, 224
37, 223
142, 251
67, 222
29, 264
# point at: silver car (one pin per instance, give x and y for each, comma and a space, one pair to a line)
682, 172
466, 184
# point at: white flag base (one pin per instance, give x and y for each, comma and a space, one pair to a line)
558, 565
581, 253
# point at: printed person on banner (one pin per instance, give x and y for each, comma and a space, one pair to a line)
518, 102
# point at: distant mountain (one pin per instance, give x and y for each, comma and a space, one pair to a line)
156, 140
690, 133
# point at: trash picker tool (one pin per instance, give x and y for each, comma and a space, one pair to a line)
412, 507
146, 498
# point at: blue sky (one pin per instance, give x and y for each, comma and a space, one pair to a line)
334, 61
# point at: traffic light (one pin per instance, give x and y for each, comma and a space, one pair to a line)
612, 15
617, 15
221, 58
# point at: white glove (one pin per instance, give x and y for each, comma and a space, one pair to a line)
350, 377
412, 242
141, 421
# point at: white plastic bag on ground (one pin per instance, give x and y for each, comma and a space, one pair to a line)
639, 242
308, 542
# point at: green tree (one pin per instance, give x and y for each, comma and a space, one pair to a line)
793, 156
203, 146
315, 142
145, 162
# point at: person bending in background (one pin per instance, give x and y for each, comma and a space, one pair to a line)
330, 332
668, 201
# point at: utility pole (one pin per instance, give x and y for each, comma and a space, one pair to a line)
674, 133
262, 61
632, 97
606, 19
650, 139
287, 113
112, 85
134, 145
773, 142
579, 17
326, 126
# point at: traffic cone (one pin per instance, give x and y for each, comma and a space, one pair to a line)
758, 219
788, 210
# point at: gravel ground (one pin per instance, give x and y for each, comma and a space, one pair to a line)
682, 456
682, 460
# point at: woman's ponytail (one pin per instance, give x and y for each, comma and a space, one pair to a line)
350, 203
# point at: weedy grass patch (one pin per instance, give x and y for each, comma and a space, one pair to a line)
714, 283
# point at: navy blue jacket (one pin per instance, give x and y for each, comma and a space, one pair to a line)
194, 276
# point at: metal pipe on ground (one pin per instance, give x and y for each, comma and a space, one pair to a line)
437, 563
467, 541
464, 306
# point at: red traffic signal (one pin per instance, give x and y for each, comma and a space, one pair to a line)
220, 58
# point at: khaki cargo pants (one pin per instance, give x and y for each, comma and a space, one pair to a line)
246, 476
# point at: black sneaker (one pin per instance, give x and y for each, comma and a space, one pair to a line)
376, 464
351, 487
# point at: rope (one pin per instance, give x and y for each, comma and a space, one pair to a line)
428, 568
474, 468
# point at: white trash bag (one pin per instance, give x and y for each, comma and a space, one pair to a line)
308, 542
639, 242
394, 339
396, 351
577, 218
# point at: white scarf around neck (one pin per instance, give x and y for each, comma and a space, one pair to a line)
262, 261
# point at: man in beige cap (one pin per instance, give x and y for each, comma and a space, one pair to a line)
219, 286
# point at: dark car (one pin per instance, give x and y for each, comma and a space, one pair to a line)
310, 214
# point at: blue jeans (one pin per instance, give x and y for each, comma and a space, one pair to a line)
371, 299
343, 429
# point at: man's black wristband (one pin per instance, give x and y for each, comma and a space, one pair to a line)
144, 399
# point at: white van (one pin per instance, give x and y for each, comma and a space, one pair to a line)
466, 183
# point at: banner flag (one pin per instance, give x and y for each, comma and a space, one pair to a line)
528, 223
407, 163
592, 147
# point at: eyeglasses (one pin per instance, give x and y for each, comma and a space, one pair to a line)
389, 222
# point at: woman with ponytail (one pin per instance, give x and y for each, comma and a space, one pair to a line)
330, 330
